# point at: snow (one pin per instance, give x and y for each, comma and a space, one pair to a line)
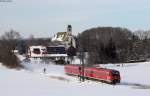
133, 72
32, 81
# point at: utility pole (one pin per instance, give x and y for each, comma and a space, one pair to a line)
82, 63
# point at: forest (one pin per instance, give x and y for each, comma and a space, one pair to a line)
115, 45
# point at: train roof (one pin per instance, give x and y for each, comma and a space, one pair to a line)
93, 68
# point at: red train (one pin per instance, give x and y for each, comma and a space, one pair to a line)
101, 74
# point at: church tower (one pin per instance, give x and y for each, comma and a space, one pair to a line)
69, 30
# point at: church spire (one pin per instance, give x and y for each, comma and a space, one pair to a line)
69, 29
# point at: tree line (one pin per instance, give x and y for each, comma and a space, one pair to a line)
103, 45
114, 45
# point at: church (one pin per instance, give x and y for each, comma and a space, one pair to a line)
65, 38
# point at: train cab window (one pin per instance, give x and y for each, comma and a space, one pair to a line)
115, 73
36, 51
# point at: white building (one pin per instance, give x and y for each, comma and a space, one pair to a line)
66, 38
36, 51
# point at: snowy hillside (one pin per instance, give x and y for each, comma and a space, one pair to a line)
33, 82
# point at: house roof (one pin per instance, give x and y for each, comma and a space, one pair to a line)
60, 36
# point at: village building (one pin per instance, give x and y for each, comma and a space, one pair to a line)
65, 38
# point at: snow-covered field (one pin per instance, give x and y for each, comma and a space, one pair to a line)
33, 82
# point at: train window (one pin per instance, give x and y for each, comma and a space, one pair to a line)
114, 73
108, 73
88, 71
100, 73
97, 73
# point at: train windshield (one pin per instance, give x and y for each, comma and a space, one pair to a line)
56, 50
115, 73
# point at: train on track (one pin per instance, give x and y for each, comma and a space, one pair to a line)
101, 74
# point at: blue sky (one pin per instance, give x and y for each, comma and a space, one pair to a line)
43, 18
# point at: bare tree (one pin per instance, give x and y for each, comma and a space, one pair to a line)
7, 45
10, 38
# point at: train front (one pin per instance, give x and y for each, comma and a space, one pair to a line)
116, 76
